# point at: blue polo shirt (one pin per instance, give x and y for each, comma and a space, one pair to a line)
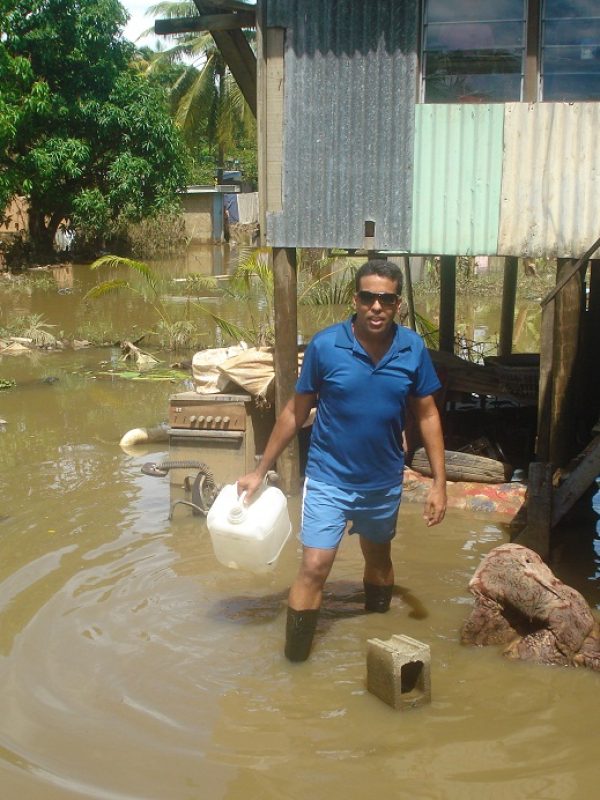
356, 439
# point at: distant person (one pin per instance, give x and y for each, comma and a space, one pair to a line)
360, 374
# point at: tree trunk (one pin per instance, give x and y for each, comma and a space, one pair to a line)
40, 233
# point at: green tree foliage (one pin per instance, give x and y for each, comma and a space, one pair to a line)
83, 135
206, 102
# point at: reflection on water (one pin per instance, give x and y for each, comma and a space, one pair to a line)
135, 666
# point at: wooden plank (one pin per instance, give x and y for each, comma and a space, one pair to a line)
270, 44
408, 293
447, 303
509, 296
241, 61
592, 337
536, 534
566, 357
206, 22
542, 448
226, 5
569, 273
531, 79
274, 117
582, 475
286, 355
261, 118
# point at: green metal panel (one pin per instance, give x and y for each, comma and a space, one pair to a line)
457, 179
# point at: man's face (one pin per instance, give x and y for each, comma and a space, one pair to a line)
376, 303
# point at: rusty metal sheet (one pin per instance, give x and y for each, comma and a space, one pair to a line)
550, 204
349, 96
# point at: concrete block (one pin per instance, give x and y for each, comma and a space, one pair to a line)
399, 671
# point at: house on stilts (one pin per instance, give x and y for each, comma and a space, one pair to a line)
447, 128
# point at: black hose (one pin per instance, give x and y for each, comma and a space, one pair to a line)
204, 489
162, 468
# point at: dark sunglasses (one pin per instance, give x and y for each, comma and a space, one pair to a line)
386, 299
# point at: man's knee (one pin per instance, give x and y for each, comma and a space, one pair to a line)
375, 554
316, 566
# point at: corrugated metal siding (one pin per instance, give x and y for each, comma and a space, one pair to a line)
457, 179
350, 90
550, 201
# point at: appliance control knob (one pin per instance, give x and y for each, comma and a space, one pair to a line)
226, 420
193, 418
200, 419
218, 420
209, 420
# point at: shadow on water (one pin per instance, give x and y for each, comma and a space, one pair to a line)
341, 599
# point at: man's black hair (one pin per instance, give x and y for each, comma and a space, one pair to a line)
378, 266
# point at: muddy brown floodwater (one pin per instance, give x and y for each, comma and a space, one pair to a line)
134, 666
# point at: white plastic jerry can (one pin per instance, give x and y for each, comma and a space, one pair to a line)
249, 536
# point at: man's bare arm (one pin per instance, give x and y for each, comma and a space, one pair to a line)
292, 418
428, 418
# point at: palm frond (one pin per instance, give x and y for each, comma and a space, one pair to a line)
107, 287
428, 331
172, 8
230, 329
120, 262
195, 106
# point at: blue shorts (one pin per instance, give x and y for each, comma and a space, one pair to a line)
326, 509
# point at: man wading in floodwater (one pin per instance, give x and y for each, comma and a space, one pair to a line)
361, 374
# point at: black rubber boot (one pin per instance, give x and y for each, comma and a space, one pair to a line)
377, 598
299, 632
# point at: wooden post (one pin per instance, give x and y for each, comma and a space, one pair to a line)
270, 68
536, 535
447, 303
408, 293
566, 373
592, 337
542, 447
286, 355
509, 294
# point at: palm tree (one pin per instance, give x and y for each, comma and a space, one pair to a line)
205, 99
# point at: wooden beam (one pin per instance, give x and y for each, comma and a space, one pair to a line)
236, 52
592, 337
226, 5
542, 447
408, 293
536, 534
566, 357
509, 295
241, 61
532, 56
206, 22
230, 5
286, 355
270, 50
568, 274
581, 476
447, 303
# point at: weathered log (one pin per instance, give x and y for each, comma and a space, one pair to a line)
465, 467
